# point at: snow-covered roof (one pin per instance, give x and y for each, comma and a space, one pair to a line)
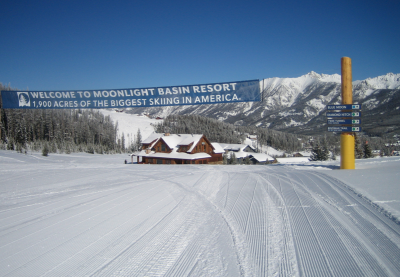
235, 147
217, 148
188, 139
152, 137
173, 141
261, 157
173, 155
238, 155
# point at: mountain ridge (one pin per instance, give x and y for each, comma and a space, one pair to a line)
297, 104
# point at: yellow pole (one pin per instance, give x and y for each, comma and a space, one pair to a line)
347, 159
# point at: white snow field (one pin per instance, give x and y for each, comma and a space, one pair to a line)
93, 215
129, 124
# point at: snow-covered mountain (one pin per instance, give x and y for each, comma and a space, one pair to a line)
299, 104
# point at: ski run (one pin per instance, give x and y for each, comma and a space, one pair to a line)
93, 215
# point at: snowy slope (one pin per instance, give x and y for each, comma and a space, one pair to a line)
129, 124
82, 214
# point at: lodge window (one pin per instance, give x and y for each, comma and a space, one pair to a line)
150, 161
159, 161
163, 147
168, 161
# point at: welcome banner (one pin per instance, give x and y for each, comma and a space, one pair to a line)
216, 93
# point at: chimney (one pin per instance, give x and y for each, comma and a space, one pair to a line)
166, 134
148, 151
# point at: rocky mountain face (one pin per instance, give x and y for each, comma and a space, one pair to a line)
298, 105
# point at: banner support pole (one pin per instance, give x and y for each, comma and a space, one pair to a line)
347, 159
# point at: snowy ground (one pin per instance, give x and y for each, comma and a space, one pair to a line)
130, 123
376, 179
92, 215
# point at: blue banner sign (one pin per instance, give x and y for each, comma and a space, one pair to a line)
344, 107
344, 129
216, 93
344, 121
344, 114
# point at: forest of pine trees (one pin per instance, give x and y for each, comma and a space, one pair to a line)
218, 131
66, 131
62, 131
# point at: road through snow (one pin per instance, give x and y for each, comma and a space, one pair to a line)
91, 215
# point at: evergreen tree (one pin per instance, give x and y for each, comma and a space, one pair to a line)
63, 130
358, 151
123, 142
45, 150
138, 142
367, 150
225, 159
232, 158
222, 132
319, 153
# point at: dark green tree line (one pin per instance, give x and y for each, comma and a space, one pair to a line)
222, 132
62, 130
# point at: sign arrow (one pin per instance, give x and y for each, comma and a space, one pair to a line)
344, 129
343, 121
344, 114
344, 107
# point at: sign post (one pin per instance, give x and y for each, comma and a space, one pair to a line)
347, 158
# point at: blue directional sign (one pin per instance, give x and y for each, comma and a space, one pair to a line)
344, 107
344, 129
344, 121
344, 114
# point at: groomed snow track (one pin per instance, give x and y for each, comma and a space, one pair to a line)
79, 217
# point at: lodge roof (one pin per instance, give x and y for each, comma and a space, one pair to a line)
261, 157
236, 147
172, 155
174, 141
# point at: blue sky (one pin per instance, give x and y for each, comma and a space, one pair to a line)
73, 45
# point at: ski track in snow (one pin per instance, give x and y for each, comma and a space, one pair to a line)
94, 216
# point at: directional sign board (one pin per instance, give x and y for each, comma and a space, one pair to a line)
344, 121
344, 129
349, 115
344, 114
344, 107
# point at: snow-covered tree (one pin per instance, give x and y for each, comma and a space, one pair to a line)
138, 141
232, 158
45, 150
367, 150
358, 150
319, 153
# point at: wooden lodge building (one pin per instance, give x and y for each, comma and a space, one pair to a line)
179, 149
